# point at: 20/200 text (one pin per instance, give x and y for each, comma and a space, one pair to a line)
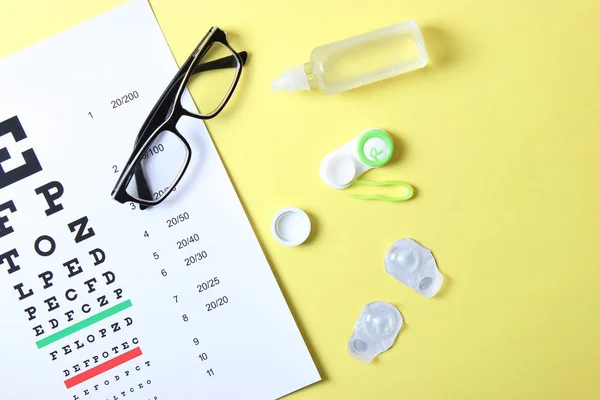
118, 102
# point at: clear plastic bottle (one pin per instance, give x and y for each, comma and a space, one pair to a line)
359, 60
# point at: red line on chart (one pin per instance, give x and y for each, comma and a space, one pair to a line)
106, 366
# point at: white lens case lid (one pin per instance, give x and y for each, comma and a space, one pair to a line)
375, 331
414, 265
290, 226
372, 148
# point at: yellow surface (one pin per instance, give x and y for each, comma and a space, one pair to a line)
500, 136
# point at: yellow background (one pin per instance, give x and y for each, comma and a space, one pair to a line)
499, 135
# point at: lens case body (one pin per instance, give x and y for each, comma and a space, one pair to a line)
372, 148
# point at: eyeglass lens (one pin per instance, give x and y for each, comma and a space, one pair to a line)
210, 87
160, 166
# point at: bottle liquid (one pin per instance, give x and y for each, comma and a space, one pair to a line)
358, 60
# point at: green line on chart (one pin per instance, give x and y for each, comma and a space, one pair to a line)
83, 324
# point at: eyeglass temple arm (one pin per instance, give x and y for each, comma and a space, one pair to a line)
221, 63
142, 185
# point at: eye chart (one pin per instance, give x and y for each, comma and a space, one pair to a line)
103, 301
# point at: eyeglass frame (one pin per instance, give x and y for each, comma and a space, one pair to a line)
170, 101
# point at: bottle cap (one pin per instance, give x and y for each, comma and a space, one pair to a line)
290, 226
292, 80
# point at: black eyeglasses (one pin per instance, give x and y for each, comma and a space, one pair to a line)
161, 154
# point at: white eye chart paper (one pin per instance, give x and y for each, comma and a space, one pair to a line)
103, 301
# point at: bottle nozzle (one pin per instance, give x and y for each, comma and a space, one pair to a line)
292, 80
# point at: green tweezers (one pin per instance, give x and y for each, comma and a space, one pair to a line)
409, 191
